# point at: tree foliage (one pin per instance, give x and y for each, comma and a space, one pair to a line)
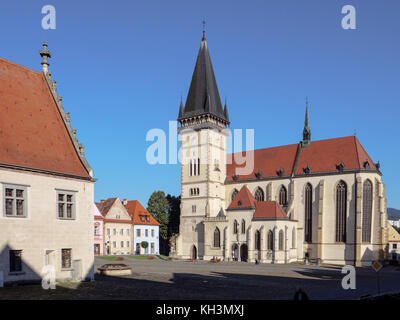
158, 207
144, 244
174, 213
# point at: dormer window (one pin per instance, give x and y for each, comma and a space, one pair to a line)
366, 164
147, 218
142, 218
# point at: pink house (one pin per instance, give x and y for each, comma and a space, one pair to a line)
98, 232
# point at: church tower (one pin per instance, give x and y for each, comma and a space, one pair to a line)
202, 129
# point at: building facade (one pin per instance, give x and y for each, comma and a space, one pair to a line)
145, 229
117, 227
98, 232
318, 200
47, 186
394, 244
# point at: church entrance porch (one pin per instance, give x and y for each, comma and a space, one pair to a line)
243, 253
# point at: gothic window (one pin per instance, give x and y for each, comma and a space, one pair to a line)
270, 240
243, 226
308, 214
259, 194
257, 241
283, 196
367, 211
191, 168
235, 227
294, 237
217, 234
281, 240
194, 167
234, 193
198, 167
341, 208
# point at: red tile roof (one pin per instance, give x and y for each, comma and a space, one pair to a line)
105, 205
320, 156
243, 200
269, 210
32, 131
137, 211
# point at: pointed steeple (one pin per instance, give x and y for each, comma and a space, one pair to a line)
226, 111
306, 130
203, 98
180, 109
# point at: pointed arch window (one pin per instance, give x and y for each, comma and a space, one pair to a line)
281, 240
308, 214
270, 240
367, 211
243, 226
234, 193
257, 241
341, 209
217, 238
198, 166
283, 196
259, 194
235, 227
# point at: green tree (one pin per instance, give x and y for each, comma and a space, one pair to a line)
174, 213
144, 244
158, 207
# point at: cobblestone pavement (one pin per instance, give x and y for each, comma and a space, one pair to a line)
158, 279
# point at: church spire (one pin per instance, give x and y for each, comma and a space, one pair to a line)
306, 130
203, 98
180, 109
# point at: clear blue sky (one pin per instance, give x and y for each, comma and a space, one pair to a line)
121, 67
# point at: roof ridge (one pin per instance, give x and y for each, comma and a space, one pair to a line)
19, 65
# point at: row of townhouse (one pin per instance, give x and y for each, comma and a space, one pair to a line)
122, 228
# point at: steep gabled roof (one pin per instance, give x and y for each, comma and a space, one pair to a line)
321, 156
269, 210
393, 235
136, 211
243, 200
33, 133
105, 205
203, 97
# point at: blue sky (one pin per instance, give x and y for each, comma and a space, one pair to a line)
122, 66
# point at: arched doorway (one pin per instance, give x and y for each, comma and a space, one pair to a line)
194, 252
243, 252
235, 252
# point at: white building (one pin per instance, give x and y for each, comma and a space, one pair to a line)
394, 244
145, 229
395, 223
46, 184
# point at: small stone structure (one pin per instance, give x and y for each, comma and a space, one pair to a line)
115, 269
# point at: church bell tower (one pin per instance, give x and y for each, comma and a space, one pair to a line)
202, 129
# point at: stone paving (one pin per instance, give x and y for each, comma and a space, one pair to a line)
200, 280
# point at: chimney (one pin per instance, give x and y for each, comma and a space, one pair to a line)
125, 202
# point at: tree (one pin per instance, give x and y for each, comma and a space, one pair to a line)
174, 213
158, 207
144, 244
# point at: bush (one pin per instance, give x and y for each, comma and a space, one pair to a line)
144, 244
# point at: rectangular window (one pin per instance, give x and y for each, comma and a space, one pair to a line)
66, 205
122, 244
193, 209
146, 233
152, 233
127, 244
127, 232
66, 258
152, 247
15, 201
114, 232
394, 245
15, 260
138, 232
121, 232
114, 244
108, 231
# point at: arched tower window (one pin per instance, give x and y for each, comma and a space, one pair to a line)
308, 214
259, 194
257, 241
234, 193
270, 240
217, 238
243, 226
283, 196
341, 209
367, 211
198, 166
281, 240
235, 227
